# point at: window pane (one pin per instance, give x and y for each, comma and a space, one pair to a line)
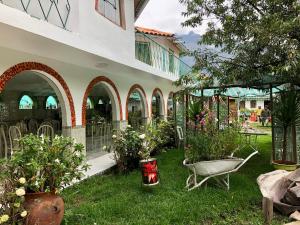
51, 103
25, 102
143, 52
110, 9
171, 61
89, 103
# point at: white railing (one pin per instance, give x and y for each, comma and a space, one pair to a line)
152, 53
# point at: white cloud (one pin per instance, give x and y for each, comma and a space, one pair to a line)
165, 15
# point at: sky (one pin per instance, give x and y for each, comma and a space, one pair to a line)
165, 15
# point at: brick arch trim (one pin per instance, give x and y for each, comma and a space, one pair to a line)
25, 66
89, 89
162, 96
139, 87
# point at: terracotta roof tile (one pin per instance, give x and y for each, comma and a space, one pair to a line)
153, 32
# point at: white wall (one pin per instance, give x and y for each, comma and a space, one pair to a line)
78, 78
258, 103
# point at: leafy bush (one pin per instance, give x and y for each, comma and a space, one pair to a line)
48, 165
126, 145
162, 136
211, 144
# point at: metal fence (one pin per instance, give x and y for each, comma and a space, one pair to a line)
54, 11
98, 135
152, 53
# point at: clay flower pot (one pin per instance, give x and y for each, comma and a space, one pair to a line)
44, 209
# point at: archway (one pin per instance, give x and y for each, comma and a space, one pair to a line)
157, 105
137, 107
101, 113
52, 79
24, 99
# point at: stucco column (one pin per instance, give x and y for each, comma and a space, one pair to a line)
77, 132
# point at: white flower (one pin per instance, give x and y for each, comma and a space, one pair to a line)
56, 137
41, 148
104, 148
128, 126
4, 218
216, 119
22, 180
114, 136
142, 136
24, 213
20, 192
57, 160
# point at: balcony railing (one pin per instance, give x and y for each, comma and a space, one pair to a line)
152, 53
54, 11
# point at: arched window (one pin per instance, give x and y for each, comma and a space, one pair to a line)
51, 103
89, 103
25, 102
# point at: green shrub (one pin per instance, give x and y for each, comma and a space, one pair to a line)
126, 145
212, 144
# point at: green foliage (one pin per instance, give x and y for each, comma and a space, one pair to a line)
211, 143
48, 165
194, 109
129, 145
256, 41
286, 113
126, 145
286, 110
162, 136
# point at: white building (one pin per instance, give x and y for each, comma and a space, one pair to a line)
76, 63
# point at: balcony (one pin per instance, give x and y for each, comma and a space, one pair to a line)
56, 12
152, 53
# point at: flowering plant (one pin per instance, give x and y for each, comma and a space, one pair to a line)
12, 191
126, 145
48, 165
212, 143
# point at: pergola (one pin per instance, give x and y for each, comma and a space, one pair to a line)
242, 90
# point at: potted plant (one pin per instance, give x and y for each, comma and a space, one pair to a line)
286, 115
148, 165
47, 166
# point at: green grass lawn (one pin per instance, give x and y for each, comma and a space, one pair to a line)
120, 199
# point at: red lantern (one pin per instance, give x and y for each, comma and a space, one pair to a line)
149, 172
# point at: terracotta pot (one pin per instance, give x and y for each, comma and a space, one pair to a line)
44, 209
149, 172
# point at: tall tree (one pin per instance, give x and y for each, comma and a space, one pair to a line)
257, 39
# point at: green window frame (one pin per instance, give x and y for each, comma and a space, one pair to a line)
171, 61
143, 52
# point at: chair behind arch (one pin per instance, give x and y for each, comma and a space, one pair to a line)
22, 127
3, 142
33, 126
56, 126
14, 135
46, 131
